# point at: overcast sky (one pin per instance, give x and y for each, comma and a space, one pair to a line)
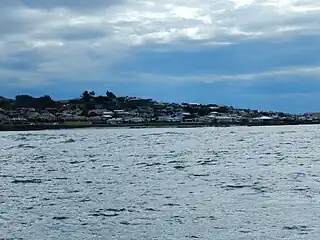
260, 54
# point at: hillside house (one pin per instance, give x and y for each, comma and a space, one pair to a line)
115, 121
49, 117
3, 118
134, 120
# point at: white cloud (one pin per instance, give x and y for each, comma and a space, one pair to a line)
140, 21
305, 71
70, 39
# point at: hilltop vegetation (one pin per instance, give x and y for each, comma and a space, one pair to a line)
112, 109
89, 101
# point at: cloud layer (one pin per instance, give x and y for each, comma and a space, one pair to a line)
43, 41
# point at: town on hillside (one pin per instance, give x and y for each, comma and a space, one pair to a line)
110, 109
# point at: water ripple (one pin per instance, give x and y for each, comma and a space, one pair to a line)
204, 183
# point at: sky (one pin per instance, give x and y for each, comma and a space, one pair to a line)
260, 54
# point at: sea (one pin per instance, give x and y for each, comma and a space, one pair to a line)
228, 183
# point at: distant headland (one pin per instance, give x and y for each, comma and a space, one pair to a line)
37, 113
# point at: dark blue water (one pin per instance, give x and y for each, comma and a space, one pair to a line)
205, 183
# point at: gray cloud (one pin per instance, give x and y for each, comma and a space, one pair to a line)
309, 71
69, 39
83, 5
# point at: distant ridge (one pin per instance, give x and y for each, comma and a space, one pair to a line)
5, 99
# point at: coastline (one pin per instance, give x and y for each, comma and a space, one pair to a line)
39, 127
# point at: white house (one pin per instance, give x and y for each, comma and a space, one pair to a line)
227, 119
107, 113
134, 119
95, 112
66, 116
263, 119
215, 114
47, 117
79, 118
32, 115
120, 112
115, 121
219, 117
168, 118
204, 119
106, 116
18, 120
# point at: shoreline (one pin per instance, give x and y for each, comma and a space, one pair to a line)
39, 127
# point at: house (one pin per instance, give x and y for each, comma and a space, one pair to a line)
263, 119
105, 112
13, 114
79, 118
32, 115
225, 119
95, 112
185, 114
193, 104
215, 108
3, 118
133, 113
115, 120
70, 117
134, 120
189, 120
214, 114
315, 115
65, 116
18, 120
119, 112
96, 119
51, 110
107, 116
302, 118
46, 116
204, 119
169, 118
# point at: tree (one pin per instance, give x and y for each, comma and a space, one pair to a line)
203, 111
84, 113
5, 105
45, 102
92, 93
24, 101
86, 96
121, 99
89, 106
111, 95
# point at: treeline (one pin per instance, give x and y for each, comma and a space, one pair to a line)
26, 101
87, 96
88, 100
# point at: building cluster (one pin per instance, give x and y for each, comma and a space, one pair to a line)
147, 113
